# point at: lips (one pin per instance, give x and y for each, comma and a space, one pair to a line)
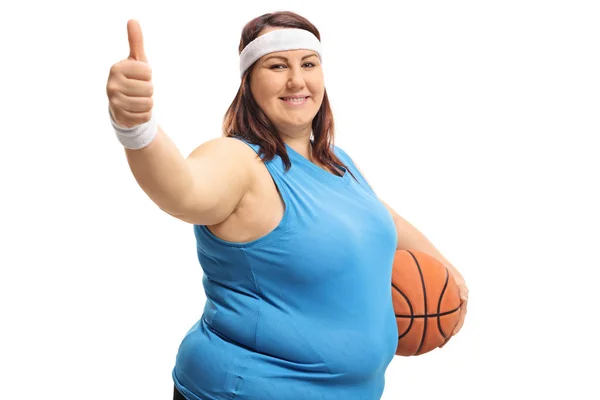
293, 97
295, 101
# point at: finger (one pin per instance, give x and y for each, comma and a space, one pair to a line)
136, 41
464, 293
458, 326
134, 88
461, 319
134, 118
133, 69
134, 104
445, 342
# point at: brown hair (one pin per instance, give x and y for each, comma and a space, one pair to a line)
245, 119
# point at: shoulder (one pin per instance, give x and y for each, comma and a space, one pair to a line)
232, 144
226, 148
338, 151
342, 155
226, 157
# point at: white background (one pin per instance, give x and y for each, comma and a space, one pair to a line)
477, 121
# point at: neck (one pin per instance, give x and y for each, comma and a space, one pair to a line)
301, 144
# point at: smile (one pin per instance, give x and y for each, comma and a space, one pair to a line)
295, 101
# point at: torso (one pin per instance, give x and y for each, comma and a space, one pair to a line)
325, 269
258, 213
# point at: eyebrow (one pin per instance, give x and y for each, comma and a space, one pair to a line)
310, 55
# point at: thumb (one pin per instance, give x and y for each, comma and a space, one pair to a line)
136, 41
463, 292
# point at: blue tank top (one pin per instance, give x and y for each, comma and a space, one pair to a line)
304, 312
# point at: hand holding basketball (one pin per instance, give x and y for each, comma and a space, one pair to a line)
464, 298
429, 302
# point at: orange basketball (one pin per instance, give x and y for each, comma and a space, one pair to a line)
426, 302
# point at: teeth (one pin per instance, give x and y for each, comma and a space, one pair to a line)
294, 100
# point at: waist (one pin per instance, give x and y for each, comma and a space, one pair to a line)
354, 344
212, 366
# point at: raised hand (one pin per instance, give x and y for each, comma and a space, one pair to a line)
129, 87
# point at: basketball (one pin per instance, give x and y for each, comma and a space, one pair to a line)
426, 302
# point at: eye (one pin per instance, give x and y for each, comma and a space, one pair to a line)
276, 66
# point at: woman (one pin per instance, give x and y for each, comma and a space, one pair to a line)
295, 247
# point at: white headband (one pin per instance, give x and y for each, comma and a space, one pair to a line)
278, 40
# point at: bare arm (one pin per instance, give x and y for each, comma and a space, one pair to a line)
161, 171
410, 237
222, 169
203, 189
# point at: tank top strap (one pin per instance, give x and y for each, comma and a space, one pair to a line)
275, 165
342, 155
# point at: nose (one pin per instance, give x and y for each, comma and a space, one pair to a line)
295, 78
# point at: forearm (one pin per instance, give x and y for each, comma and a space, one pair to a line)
162, 172
410, 238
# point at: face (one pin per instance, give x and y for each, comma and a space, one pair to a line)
280, 75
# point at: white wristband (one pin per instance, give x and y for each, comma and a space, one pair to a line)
136, 137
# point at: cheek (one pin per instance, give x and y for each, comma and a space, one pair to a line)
270, 95
317, 88
318, 96
264, 92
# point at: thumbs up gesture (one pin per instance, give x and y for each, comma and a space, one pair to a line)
129, 87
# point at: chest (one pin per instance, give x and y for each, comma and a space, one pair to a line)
323, 212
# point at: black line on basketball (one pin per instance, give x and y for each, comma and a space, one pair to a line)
428, 315
424, 302
439, 321
409, 307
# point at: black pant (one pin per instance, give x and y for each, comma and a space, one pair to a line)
177, 395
